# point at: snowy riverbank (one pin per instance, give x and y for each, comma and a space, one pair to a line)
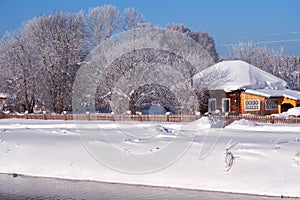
247, 158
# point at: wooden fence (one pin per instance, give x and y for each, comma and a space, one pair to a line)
260, 119
109, 117
155, 118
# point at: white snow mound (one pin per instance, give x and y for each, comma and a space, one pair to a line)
242, 123
294, 112
237, 74
206, 123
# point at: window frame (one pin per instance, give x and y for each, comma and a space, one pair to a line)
223, 109
210, 100
258, 105
268, 108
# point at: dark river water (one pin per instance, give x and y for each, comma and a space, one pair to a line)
22, 187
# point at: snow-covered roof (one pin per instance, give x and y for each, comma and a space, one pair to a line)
291, 94
237, 74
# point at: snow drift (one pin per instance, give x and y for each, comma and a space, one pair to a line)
246, 158
204, 123
294, 112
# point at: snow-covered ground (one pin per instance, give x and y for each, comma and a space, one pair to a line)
244, 157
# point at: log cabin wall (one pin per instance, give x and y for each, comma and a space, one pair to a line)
263, 108
247, 97
234, 101
267, 106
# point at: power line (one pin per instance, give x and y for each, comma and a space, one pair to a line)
286, 33
262, 42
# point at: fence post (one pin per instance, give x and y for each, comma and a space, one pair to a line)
272, 120
88, 116
227, 120
112, 116
26, 114
44, 115
65, 115
168, 116
140, 118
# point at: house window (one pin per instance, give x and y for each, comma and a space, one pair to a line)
211, 105
253, 104
225, 105
271, 104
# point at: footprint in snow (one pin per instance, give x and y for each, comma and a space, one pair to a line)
134, 140
163, 129
7, 151
276, 146
296, 158
156, 149
229, 159
126, 150
278, 143
64, 131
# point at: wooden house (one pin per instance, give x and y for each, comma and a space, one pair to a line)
258, 102
237, 87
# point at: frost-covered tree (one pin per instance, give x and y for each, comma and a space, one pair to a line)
259, 56
60, 41
180, 28
103, 22
139, 67
131, 19
207, 41
270, 60
144, 25
154, 94
289, 70
19, 73
203, 38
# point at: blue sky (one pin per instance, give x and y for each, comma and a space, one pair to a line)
273, 22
